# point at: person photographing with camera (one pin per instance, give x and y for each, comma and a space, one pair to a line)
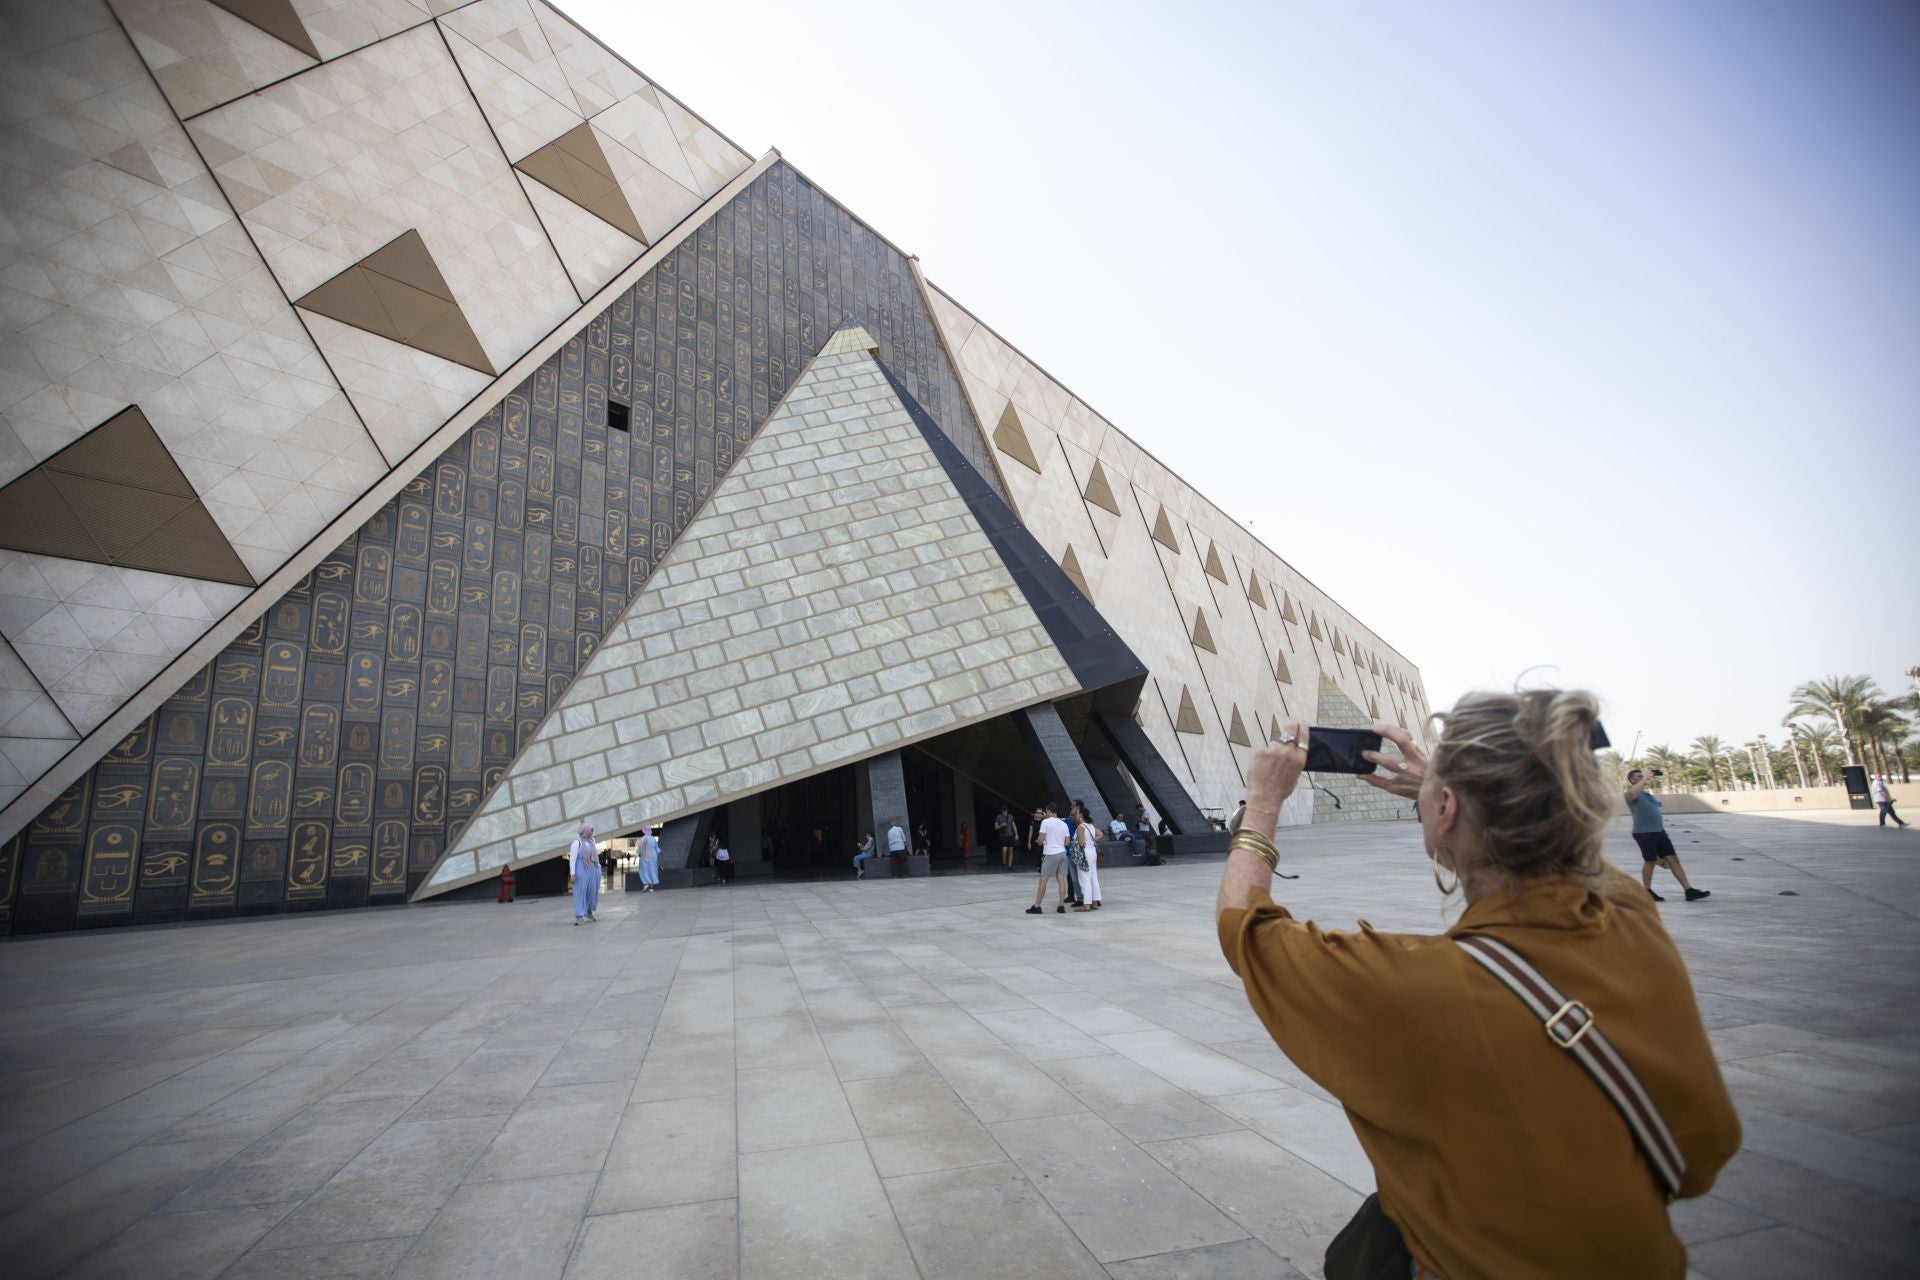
1532, 1086
1650, 833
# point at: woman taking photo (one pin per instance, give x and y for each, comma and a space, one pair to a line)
1471, 1063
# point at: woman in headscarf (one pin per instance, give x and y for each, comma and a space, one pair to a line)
649, 851
583, 874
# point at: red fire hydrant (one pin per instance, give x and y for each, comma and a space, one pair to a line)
506, 883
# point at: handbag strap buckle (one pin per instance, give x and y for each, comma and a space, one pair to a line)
1562, 1027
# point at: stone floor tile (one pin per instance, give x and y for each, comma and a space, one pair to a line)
354, 1260
1116, 1198
296, 1159
787, 1040
685, 1067
1135, 1101
999, 1084
675, 1151
49, 1233
1315, 1131
1194, 1067
521, 1230
1786, 1253
419, 1157
368, 1211
564, 1129
1039, 1035
1233, 1260
1291, 1206
686, 1242
792, 1107
808, 1211
864, 1050
182, 1246
985, 1221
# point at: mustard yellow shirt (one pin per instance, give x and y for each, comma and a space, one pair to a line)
1496, 1154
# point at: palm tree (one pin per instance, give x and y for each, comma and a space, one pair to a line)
1671, 763
1709, 749
1815, 737
1841, 699
1881, 725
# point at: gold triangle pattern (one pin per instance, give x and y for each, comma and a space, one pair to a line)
1339, 643
1188, 720
1286, 609
1099, 491
1280, 671
1313, 627
1254, 593
1070, 565
116, 496
1237, 732
397, 291
1011, 439
1215, 569
275, 17
1202, 636
575, 165
1163, 532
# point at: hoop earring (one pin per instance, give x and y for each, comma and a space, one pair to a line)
1446, 890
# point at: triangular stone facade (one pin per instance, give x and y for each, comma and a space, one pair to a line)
1011, 439
1099, 490
116, 496
774, 640
397, 291
575, 165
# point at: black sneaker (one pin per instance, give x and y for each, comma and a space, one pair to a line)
1034, 911
1694, 895
1060, 910
1656, 897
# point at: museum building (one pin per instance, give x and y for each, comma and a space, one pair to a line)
420, 434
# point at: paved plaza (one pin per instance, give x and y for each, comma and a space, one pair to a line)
889, 1078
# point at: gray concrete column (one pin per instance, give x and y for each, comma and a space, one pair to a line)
1115, 790
887, 784
1143, 761
1059, 759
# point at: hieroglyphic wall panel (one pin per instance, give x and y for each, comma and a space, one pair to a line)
324, 758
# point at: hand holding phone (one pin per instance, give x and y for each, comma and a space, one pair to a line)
1340, 750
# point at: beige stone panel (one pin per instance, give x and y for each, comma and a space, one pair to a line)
657, 200
525, 115
402, 394
33, 731
638, 123
202, 55
777, 637
508, 32
92, 634
711, 157
358, 151
592, 251
597, 76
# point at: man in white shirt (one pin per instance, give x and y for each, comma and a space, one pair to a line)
1883, 796
583, 874
1053, 862
1123, 833
897, 847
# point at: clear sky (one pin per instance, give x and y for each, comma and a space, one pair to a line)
1581, 337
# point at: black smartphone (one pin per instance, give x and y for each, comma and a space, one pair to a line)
1338, 750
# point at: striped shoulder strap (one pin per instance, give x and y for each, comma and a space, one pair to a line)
1571, 1027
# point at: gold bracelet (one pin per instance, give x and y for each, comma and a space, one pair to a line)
1256, 844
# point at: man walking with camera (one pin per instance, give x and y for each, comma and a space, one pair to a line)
1650, 833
